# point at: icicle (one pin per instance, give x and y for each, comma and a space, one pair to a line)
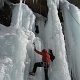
1, 3
24, 1
21, 1
33, 1
36, 1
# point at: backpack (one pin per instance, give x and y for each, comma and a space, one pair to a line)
52, 57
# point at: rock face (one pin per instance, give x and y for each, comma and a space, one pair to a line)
5, 15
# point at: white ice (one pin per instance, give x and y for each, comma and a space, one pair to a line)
13, 43
71, 15
17, 56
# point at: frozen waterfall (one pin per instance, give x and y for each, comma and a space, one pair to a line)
17, 56
71, 15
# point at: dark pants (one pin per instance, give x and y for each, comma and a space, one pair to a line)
42, 64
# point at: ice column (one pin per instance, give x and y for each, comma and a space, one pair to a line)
71, 15
54, 40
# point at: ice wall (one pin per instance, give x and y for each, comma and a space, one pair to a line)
13, 43
54, 40
71, 15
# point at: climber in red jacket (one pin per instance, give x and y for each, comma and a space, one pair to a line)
44, 63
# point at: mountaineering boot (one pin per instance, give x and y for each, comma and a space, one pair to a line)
32, 73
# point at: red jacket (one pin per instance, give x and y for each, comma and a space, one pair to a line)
45, 55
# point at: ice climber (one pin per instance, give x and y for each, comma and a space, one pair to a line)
44, 63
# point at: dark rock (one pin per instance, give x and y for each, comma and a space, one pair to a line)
5, 15
37, 29
14, 1
39, 7
60, 15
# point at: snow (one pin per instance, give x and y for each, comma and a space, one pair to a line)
17, 56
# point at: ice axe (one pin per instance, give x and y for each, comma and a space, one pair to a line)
34, 46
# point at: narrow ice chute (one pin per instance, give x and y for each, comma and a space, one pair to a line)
54, 40
71, 16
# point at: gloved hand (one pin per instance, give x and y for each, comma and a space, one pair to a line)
34, 49
34, 46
